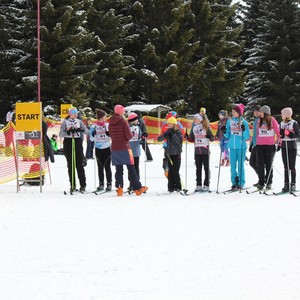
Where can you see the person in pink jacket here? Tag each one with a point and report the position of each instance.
(267, 136)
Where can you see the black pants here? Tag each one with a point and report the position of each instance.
(103, 157)
(67, 146)
(202, 160)
(174, 182)
(132, 176)
(253, 160)
(89, 149)
(265, 156)
(289, 164)
(145, 147)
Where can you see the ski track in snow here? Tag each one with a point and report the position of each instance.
(205, 246)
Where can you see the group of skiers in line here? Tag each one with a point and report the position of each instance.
(118, 143)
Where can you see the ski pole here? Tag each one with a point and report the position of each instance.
(73, 164)
(145, 160)
(95, 172)
(219, 169)
(186, 142)
(268, 177)
(287, 161)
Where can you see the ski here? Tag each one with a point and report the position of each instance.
(252, 191)
(184, 193)
(230, 191)
(71, 192)
(280, 193)
(296, 193)
(101, 192)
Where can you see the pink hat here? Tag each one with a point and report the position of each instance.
(287, 112)
(132, 117)
(119, 109)
(239, 108)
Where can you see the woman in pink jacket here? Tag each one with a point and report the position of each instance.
(267, 135)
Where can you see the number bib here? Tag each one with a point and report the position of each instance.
(100, 136)
(135, 133)
(263, 131)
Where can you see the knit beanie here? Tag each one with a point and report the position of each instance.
(73, 110)
(287, 112)
(239, 108)
(132, 117)
(171, 114)
(172, 120)
(198, 117)
(100, 113)
(119, 109)
(265, 109)
(222, 113)
(203, 110)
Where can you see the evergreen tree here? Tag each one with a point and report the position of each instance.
(18, 51)
(275, 59)
(68, 50)
(109, 23)
(162, 50)
(217, 78)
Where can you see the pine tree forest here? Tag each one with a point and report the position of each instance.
(185, 54)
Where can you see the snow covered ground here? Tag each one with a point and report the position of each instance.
(207, 246)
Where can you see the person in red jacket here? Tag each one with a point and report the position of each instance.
(121, 154)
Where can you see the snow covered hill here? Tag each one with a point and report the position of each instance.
(206, 246)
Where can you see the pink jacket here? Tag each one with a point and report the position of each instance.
(267, 137)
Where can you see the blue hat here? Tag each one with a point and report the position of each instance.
(73, 111)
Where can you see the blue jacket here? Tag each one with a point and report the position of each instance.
(253, 141)
(237, 137)
(135, 140)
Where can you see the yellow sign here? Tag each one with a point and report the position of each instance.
(64, 110)
(29, 116)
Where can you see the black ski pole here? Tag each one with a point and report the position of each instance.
(186, 142)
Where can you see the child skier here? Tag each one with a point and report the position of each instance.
(121, 153)
(289, 132)
(237, 132)
(100, 136)
(267, 132)
(89, 154)
(173, 137)
(71, 130)
(134, 142)
(164, 128)
(223, 141)
(201, 135)
(252, 148)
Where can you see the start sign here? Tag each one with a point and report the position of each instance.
(29, 116)
(64, 110)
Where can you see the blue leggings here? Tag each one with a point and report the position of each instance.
(237, 166)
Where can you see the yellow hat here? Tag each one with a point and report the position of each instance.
(172, 120)
(203, 110)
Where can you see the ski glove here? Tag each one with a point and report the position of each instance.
(243, 127)
(281, 133)
(186, 135)
(107, 133)
(278, 148)
(250, 148)
(93, 132)
(291, 135)
(145, 134)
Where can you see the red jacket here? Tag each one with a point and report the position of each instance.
(119, 133)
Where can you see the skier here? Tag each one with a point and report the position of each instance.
(71, 130)
(201, 135)
(143, 140)
(173, 137)
(223, 141)
(100, 136)
(252, 148)
(89, 154)
(121, 153)
(289, 132)
(267, 132)
(135, 142)
(237, 131)
(164, 128)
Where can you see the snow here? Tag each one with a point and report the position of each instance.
(206, 246)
